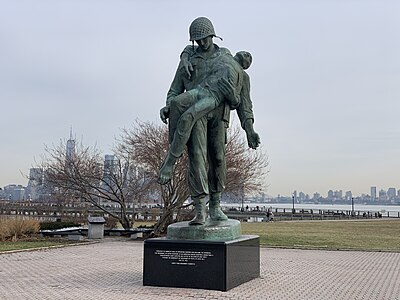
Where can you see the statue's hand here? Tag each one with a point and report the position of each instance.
(253, 139)
(186, 66)
(164, 114)
(229, 91)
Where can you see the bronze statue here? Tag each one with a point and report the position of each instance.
(201, 100)
(209, 83)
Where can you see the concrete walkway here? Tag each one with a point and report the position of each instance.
(112, 269)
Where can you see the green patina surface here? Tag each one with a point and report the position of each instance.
(208, 84)
(210, 231)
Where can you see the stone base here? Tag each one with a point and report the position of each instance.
(210, 231)
(75, 237)
(211, 265)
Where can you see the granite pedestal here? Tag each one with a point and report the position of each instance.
(212, 265)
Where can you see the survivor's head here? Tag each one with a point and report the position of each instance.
(202, 31)
(244, 59)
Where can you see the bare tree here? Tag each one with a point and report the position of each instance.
(84, 175)
(148, 143)
(246, 168)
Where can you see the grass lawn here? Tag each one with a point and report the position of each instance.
(33, 243)
(144, 223)
(369, 235)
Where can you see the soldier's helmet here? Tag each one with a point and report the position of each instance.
(201, 28)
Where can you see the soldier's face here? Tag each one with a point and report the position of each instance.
(205, 43)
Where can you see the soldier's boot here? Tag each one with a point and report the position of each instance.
(166, 169)
(200, 212)
(216, 214)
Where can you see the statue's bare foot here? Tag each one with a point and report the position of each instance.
(165, 174)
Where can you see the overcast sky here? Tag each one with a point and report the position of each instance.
(325, 80)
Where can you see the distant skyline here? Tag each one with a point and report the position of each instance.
(324, 80)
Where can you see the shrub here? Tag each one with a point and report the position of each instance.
(4, 229)
(15, 228)
(111, 222)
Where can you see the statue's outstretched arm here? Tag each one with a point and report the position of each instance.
(245, 113)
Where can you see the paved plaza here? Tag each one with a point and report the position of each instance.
(112, 269)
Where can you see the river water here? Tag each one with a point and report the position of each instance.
(332, 207)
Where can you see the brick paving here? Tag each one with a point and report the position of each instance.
(112, 269)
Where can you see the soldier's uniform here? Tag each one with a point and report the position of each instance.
(190, 106)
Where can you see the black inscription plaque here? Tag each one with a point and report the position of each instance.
(201, 264)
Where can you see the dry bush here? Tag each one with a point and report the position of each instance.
(111, 222)
(4, 229)
(15, 228)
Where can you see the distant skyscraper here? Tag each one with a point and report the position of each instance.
(316, 196)
(391, 193)
(373, 193)
(338, 195)
(14, 192)
(109, 171)
(70, 146)
(348, 195)
(70, 152)
(382, 195)
(35, 183)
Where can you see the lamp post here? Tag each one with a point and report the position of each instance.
(242, 197)
(352, 206)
